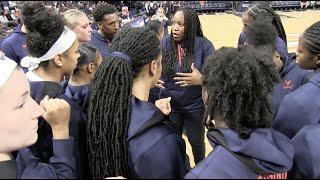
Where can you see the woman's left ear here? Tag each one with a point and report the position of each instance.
(318, 57)
(318, 60)
(153, 68)
(91, 67)
(58, 60)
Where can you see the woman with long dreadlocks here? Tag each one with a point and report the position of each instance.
(184, 52)
(237, 90)
(127, 135)
(264, 9)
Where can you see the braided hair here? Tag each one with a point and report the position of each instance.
(88, 54)
(109, 109)
(312, 38)
(239, 82)
(262, 35)
(266, 10)
(192, 28)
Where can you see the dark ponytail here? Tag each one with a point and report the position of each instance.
(109, 110)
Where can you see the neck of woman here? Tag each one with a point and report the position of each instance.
(140, 89)
(78, 81)
(48, 75)
(219, 122)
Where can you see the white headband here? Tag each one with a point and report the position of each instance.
(64, 42)
(6, 68)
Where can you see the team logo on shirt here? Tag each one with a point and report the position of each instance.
(274, 176)
(24, 46)
(287, 85)
(183, 52)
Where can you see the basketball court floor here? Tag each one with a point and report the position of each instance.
(224, 30)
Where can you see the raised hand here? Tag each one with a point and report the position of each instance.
(160, 84)
(189, 79)
(57, 114)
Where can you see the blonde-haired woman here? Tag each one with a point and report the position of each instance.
(78, 21)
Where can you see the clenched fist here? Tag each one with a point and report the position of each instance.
(57, 114)
(164, 105)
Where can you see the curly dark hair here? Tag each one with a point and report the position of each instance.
(192, 28)
(262, 35)
(239, 82)
(44, 28)
(109, 109)
(312, 38)
(264, 9)
(101, 10)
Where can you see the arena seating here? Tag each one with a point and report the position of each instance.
(209, 6)
(222, 6)
(285, 5)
